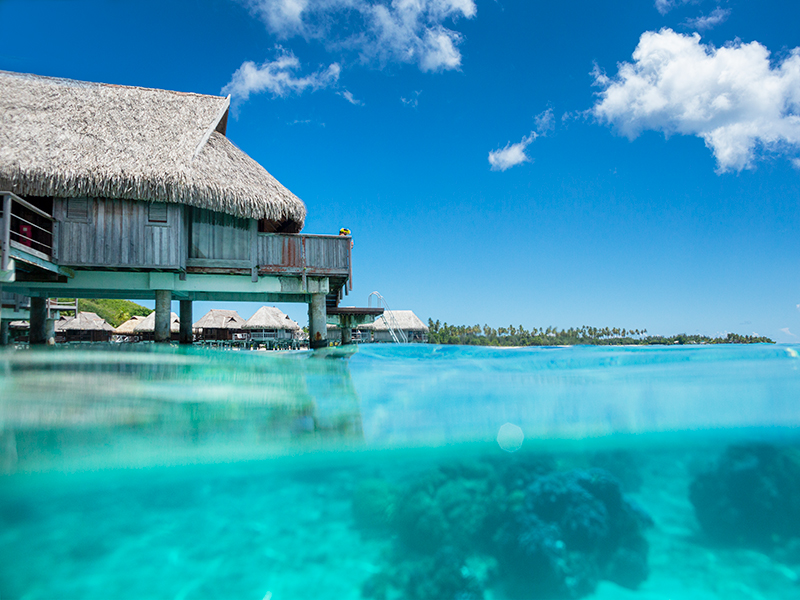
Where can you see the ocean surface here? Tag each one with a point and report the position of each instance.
(388, 472)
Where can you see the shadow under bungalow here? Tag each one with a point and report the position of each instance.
(110, 191)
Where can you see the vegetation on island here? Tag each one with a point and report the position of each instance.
(475, 335)
(115, 312)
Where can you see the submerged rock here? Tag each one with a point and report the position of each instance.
(751, 497)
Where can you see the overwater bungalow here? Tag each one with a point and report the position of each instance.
(220, 325)
(110, 191)
(85, 327)
(145, 329)
(270, 325)
(398, 325)
(126, 332)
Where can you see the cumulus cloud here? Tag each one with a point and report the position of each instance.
(279, 77)
(703, 23)
(732, 97)
(405, 31)
(512, 155)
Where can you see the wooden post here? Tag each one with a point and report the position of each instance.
(186, 322)
(317, 322)
(38, 329)
(4, 332)
(163, 309)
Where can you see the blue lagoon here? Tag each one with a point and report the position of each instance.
(413, 471)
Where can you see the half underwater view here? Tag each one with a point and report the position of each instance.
(400, 471)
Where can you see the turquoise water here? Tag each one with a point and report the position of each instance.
(133, 472)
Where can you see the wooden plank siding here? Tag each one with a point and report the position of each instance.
(217, 236)
(116, 234)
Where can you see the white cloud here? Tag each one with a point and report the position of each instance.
(405, 31)
(796, 165)
(545, 121)
(512, 155)
(664, 6)
(717, 16)
(412, 102)
(279, 77)
(347, 95)
(787, 332)
(730, 97)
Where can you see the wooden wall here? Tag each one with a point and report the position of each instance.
(118, 233)
(217, 236)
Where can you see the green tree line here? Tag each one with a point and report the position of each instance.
(475, 335)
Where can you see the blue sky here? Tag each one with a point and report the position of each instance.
(632, 164)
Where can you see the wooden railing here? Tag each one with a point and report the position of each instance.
(25, 228)
(314, 255)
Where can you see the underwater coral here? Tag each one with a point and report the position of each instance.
(517, 526)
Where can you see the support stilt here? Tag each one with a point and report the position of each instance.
(186, 322)
(38, 328)
(4, 332)
(163, 306)
(347, 330)
(317, 322)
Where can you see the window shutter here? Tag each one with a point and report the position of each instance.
(157, 212)
(78, 209)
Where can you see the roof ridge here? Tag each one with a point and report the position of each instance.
(82, 83)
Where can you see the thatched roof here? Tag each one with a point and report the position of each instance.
(403, 319)
(85, 321)
(129, 326)
(218, 318)
(270, 317)
(65, 138)
(148, 324)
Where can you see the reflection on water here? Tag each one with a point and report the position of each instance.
(167, 473)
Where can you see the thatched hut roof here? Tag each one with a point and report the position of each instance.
(403, 319)
(218, 318)
(129, 326)
(270, 317)
(148, 324)
(65, 138)
(84, 321)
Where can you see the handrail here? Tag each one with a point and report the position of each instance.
(394, 330)
(7, 236)
(28, 205)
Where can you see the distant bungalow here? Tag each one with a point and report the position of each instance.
(109, 191)
(126, 332)
(85, 327)
(219, 325)
(271, 324)
(145, 328)
(404, 324)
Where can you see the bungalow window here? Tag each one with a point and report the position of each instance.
(78, 209)
(157, 212)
